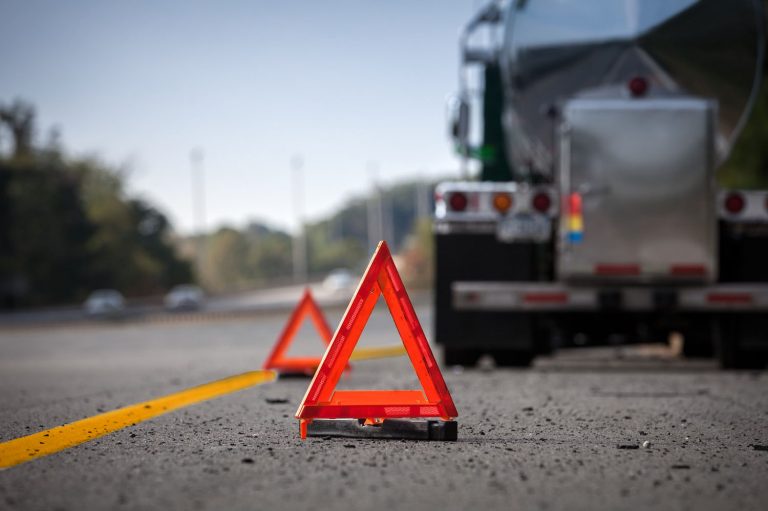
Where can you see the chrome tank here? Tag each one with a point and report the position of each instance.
(554, 50)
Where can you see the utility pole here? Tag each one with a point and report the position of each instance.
(299, 244)
(197, 175)
(387, 224)
(374, 213)
(422, 200)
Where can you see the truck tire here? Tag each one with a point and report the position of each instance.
(699, 338)
(733, 358)
(697, 349)
(513, 358)
(743, 341)
(465, 357)
(466, 335)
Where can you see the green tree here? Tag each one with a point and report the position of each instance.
(270, 255)
(240, 259)
(67, 226)
(418, 255)
(747, 166)
(225, 262)
(44, 231)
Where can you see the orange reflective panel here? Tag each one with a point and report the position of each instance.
(322, 401)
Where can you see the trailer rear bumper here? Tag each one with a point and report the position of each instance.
(558, 297)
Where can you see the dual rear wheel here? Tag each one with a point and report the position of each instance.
(739, 341)
(469, 357)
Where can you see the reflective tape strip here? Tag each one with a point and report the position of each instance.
(545, 297)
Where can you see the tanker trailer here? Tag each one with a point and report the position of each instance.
(596, 218)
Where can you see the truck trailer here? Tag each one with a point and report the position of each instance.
(597, 129)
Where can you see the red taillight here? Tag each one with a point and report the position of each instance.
(638, 86)
(458, 201)
(541, 202)
(734, 203)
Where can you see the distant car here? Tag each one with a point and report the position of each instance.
(339, 280)
(104, 302)
(184, 297)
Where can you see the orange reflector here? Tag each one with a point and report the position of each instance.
(730, 298)
(617, 269)
(502, 202)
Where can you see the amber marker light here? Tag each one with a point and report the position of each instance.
(502, 202)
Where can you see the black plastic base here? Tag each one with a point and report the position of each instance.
(295, 375)
(392, 429)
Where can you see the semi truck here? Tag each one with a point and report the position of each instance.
(596, 130)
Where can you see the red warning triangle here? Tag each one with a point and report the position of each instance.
(277, 359)
(323, 401)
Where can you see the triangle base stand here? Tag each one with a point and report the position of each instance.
(294, 375)
(392, 429)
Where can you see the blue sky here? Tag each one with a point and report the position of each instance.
(343, 83)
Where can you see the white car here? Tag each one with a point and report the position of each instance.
(104, 302)
(184, 297)
(339, 280)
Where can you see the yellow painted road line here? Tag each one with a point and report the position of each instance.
(26, 448)
(378, 352)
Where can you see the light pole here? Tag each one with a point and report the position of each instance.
(299, 244)
(374, 213)
(197, 176)
(422, 200)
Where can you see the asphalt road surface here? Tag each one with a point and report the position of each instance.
(567, 434)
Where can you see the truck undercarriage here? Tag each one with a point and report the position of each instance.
(519, 312)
